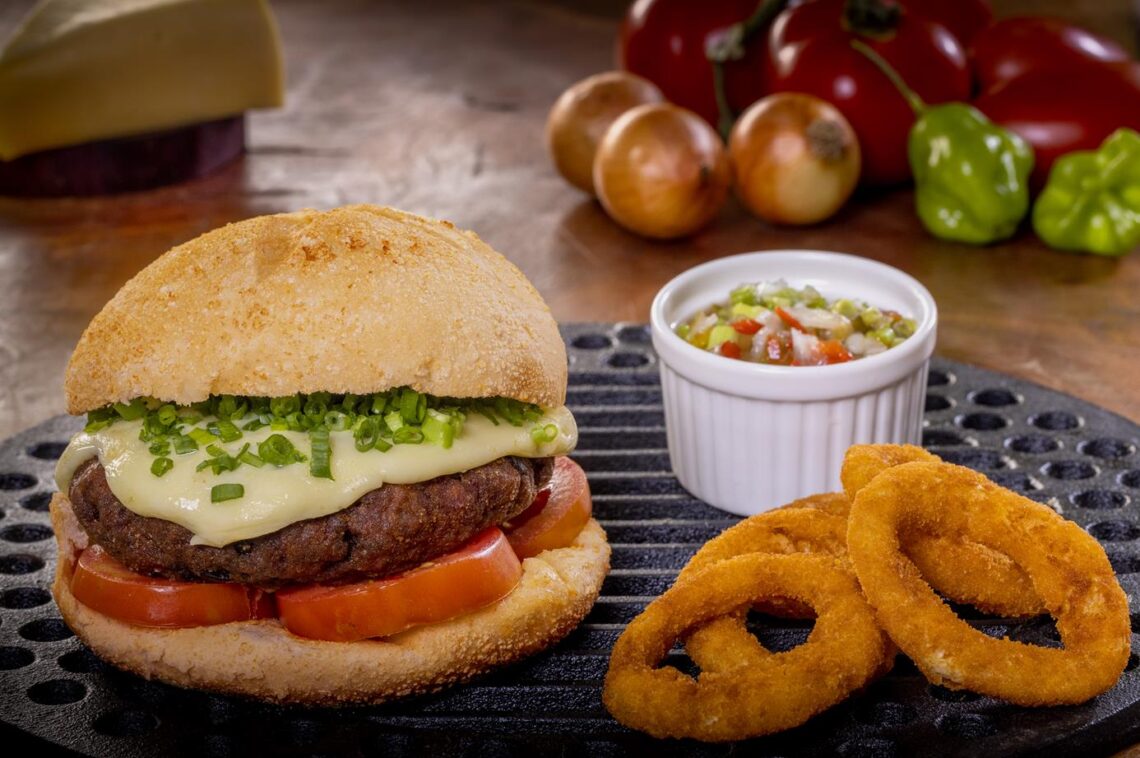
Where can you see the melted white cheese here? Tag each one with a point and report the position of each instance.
(276, 497)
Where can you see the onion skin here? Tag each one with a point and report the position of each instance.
(795, 159)
(583, 113)
(662, 171)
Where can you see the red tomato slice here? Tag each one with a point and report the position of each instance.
(103, 584)
(746, 326)
(484, 570)
(729, 349)
(560, 516)
(789, 319)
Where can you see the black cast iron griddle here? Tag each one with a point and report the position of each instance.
(1081, 460)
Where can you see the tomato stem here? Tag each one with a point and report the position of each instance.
(731, 46)
(889, 71)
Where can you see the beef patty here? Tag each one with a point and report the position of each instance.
(390, 529)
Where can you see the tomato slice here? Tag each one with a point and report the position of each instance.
(789, 319)
(746, 326)
(729, 349)
(103, 584)
(559, 518)
(481, 572)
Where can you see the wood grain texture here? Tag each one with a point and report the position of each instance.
(438, 108)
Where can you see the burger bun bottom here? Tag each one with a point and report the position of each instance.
(261, 659)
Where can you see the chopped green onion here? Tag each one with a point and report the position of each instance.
(544, 433)
(320, 453)
(249, 458)
(167, 415)
(220, 493)
(413, 406)
(337, 421)
(278, 450)
(379, 403)
(254, 425)
(184, 444)
(201, 436)
(161, 447)
(317, 405)
(225, 429)
(366, 433)
(284, 406)
(230, 407)
(437, 429)
(383, 445)
(216, 450)
(394, 421)
(161, 465)
(408, 435)
(132, 411)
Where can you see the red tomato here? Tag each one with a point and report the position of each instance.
(964, 18)
(107, 586)
(1064, 110)
(484, 570)
(833, 351)
(557, 515)
(729, 349)
(1015, 46)
(746, 326)
(810, 51)
(789, 319)
(665, 41)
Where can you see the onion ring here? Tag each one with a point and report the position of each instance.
(1068, 570)
(962, 571)
(726, 643)
(842, 653)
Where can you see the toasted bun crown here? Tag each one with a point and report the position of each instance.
(358, 299)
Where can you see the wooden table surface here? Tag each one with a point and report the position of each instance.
(438, 108)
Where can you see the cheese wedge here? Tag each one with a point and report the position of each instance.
(77, 71)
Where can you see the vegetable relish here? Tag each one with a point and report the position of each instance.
(773, 323)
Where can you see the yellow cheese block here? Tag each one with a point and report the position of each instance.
(77, 71)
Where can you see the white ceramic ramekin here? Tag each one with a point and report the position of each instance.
(749, 437)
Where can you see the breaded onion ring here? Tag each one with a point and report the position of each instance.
(726, 643)
(963, 571)
(841, 655)
(1068, 570)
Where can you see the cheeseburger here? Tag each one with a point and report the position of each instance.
(323, 462)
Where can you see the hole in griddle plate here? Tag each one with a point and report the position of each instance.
(20, 598)
(1055, 421)
(125, 722)
(1130, 479)
(967, 726)
(983, 422)
(936, 403)
(20, 563)
(611, 378)
(38, 502)
(867, 747)
(82, 661)
(47, 451)
(947, 695)
(635, 335)
(591, 342)
(216, 746)
(937, 378)
(1106, 447)
(57, 692)
(15, 657)
(1124, 564)
(886, 713)
(976, 458)
(45, 630)
(142, 692)
(993, 398)
(627, 360)
(1032, 444)
(1018, 481)
(13, 481)
(939, 437)
(1133, 662)
(1069, 470)
(1114, 531)
(24, 533)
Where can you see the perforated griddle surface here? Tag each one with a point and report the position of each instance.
(1078, 458)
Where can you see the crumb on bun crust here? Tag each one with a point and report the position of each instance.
(261, 659)
(357, 299)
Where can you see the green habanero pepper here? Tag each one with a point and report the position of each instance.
(969, 173)
(1091, 202)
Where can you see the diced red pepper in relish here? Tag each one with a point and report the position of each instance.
(729, 349)
(746, 326)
